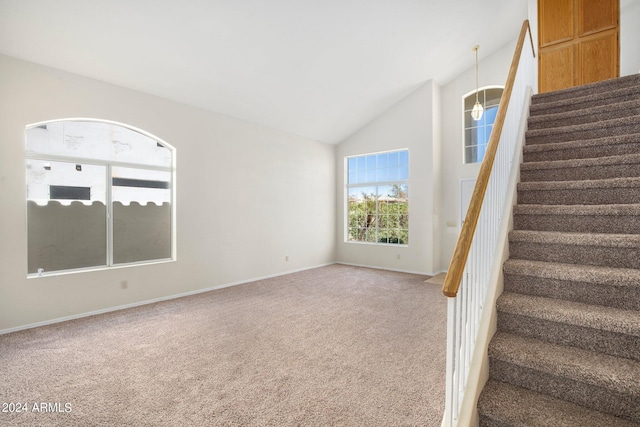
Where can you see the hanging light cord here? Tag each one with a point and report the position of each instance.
(476, 112)
(476, 49)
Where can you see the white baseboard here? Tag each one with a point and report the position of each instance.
(377, 267)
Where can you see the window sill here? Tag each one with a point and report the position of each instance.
(393, 245)
(98, 268)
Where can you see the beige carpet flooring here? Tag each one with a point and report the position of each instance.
(332, 346)
(437, 280)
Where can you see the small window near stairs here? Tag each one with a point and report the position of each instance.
(477, 133)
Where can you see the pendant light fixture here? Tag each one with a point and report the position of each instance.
(476, 112)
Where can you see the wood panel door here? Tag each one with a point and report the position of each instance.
(578, 42)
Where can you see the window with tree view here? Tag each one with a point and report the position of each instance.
(99, 194)
(378, 198)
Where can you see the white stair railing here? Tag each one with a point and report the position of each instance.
(468, 276)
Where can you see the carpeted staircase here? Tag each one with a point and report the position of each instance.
(567, 349)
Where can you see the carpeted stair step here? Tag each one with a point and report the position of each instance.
(615, 219)
(583, 149)
(595, 192)
(624, 125)
(505, 405)
(567, 350)
(598, 328)
(582, 169)
(589, 284)
(608, 250)
(599, 381)
(605, 88)
(586, 115)
(585, 99)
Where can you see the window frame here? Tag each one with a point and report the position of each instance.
(108, 181)
(368, 184)
(467, 112)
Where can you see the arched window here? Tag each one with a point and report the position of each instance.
(99, 194)
(476, 133)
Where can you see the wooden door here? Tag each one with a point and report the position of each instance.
(578, 42)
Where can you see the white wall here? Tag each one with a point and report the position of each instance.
(247, 197)
(532, 10)
(629, 37)
(492, 70)
(412, 123)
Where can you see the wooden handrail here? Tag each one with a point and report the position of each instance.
(459, 258)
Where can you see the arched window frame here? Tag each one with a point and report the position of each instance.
(125, 176)
(481, 129)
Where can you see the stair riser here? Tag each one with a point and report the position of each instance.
(614, 224)
(614, 344)
(543, 108)
(576, 254)
(598, 398)
(533, 137)
(489, 422)
(583, 152)
(581, 173)
(604, 88)
(614, 112)
(627, 298)
(587, 196)
(502, 404)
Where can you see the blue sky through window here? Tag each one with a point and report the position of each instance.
(483, 132)
(382, 167)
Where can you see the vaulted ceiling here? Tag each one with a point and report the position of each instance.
(320, 69)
